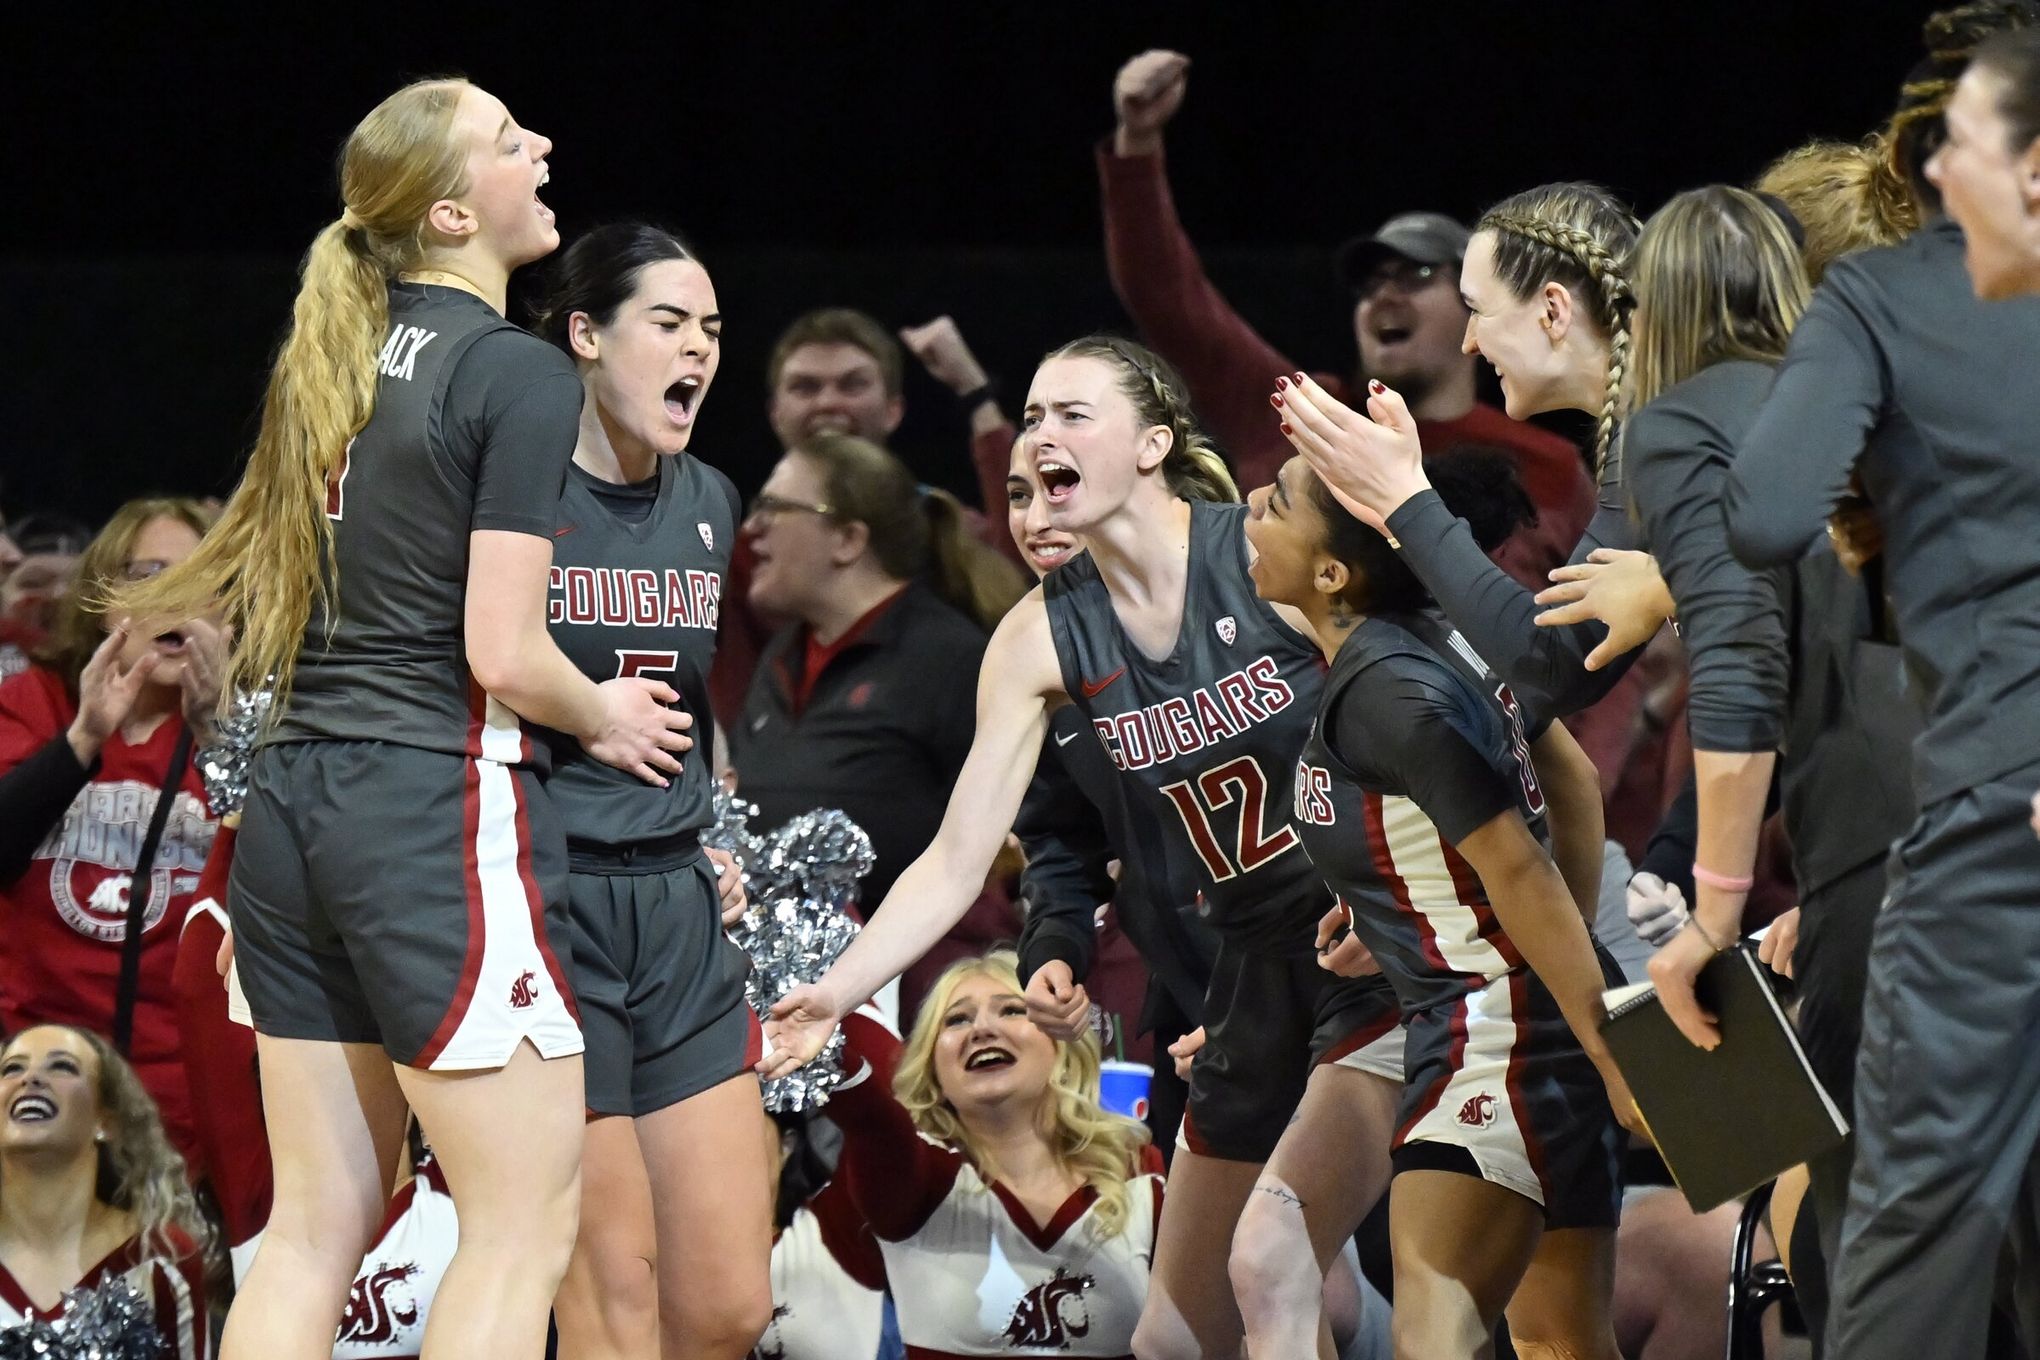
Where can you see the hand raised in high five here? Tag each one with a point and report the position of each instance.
(1372, 462)
(1146, 94)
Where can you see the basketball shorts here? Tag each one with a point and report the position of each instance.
(409, 898)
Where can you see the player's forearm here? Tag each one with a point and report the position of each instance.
(925, 903)
(540, 685)
(1536, 909)
(1733, 788)
(1574, 817)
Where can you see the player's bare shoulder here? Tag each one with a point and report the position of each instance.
(1021, 657)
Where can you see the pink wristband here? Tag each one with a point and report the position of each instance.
(1721, 881)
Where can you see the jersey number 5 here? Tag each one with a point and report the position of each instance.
(651, 665)
(1238, 780)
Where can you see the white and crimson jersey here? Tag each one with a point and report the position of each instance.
(823, 1307)
(972, 1272)
(174, 1291)
(392, 1295)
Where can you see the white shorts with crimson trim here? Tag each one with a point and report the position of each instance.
(1498, 1076)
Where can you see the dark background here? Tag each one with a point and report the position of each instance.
(162, 170)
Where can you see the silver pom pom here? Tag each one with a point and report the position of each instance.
(223, 762)
(110, 1322)
(802, 880)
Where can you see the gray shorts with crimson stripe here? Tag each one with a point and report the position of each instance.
(414, 899)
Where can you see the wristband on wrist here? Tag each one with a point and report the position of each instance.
(988, 390)
(1701, 931)
(1702, 874)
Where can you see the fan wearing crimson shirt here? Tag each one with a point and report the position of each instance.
(87, 737)
(1408, 323)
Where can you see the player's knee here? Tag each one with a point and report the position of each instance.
(1271, 1264)
(1162, 1335)
(729, 1323)
(1436, 1333)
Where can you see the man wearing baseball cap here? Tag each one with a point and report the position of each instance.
(1408, 322)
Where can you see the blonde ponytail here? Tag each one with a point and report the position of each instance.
(270, 555)
(1193, 467)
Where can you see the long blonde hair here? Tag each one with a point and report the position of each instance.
(1578, 235)
(1193, 466)
(80, 624)
(139, 1172)
(1099, 1147)
(270, 555)
(1717, 277)
(914, 531)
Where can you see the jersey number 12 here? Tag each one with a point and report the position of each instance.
(1238, 780)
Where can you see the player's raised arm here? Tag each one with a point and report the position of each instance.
(1018, 678)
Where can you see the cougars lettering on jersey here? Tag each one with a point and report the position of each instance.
(1183, 725)
(634, 597)
(1204, 739)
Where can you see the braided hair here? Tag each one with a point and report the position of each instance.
(1580, 236)
(1193, 466)
(1919, 125)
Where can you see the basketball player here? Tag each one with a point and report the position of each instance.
(1199, 693)
(677, 1261)
(398, 891)
(1418, 799)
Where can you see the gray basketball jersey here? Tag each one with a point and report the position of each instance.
(1205, 740)
(1417, 744)
(474, 423)
(640, 599)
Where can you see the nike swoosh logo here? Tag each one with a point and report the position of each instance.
(562, 533)
(1064, 741)
(1093, 688)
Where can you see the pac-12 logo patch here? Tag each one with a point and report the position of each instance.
(1227, 630)
(707, 536)
(1479, 1112)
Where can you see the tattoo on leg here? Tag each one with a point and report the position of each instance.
(1279, 1193)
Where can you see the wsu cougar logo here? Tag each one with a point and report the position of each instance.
(521, 992)
(1052, 1313)
(372, 1315)
(1478, 1112)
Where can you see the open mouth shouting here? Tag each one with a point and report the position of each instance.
(1059, 481)
(545, 214)
(681, 399)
